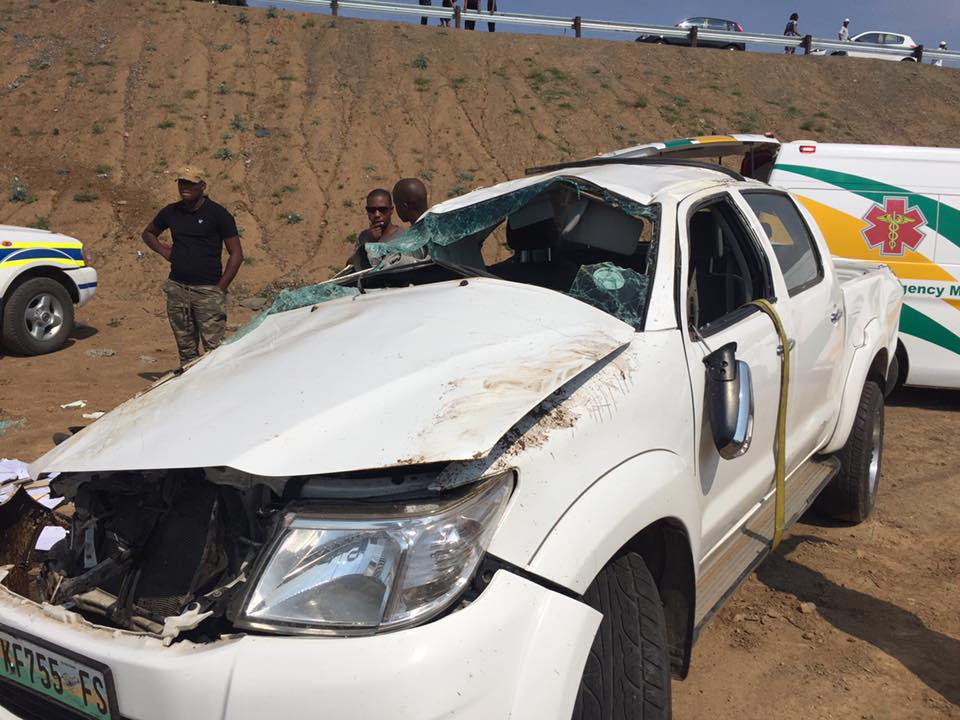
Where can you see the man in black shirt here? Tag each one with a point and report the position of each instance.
(197, 285)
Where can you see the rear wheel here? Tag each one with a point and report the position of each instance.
(37, 317)
(627, 675)
(852, 494)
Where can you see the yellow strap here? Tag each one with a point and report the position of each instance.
(781, 440)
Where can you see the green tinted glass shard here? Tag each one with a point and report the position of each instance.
(618, 291)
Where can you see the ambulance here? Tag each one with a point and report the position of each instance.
(888, 204)
(43, 275)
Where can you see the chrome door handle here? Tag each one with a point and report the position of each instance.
(835, 315)
(791, 343)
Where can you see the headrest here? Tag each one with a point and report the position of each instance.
(606, 228)
(532, 228)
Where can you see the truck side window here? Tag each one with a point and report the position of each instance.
(792, 244)
(726, 269)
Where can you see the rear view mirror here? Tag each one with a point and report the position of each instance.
(729, 401)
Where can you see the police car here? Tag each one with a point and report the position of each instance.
(43, 275)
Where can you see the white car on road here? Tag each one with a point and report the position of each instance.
(453, 489)
(863, 42)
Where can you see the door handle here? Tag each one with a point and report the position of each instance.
(791, 343)
(835, 315)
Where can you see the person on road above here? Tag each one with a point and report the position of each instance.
(196, 288)
(472, 6)
(410, 199)
(942, 46)
(792, 30)
(380, 215)
(844, 32)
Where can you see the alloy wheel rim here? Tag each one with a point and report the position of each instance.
(44, 316)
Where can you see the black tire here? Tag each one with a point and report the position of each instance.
(627, 675)
(852, 494)
(21, 332)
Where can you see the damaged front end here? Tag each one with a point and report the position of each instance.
(202, 553)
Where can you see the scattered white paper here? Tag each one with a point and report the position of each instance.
(12, 470)
(50, 536)
(74, 404)
(94, 415)
(13, 474)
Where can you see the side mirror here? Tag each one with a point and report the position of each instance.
(729, 402)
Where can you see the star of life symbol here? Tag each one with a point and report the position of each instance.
(894, 226)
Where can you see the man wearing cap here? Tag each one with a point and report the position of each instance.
(942, 46)
(196, 288)
(844, 33)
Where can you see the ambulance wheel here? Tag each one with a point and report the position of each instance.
(627, 674)
(37, 317)
(910, 59)
(851, 495)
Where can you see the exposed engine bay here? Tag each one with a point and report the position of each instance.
(166, 552)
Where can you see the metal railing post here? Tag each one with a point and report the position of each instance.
(456, 16)
(578, 26)
(693, 36)
(807, 44)
(918, 53)
(334, 7)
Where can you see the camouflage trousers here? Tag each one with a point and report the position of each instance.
(196, 312)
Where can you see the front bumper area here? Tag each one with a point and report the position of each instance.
(517, 652)
(85, 278)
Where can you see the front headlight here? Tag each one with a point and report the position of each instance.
(373, 568)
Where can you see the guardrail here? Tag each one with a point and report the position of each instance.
(578, 25)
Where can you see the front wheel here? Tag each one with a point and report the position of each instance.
(627, 675)
(37, 317)
(852, 494)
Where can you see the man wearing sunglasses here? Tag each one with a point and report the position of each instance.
(380, 215)
(196, 288)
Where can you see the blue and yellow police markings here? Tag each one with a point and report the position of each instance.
(14, 254)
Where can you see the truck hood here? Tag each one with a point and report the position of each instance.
(388, 378)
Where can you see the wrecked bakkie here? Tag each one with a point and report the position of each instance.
(455, 486)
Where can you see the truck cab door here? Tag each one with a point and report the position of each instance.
(722, 269)
(812, 312)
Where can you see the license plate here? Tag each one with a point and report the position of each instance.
(71, 680)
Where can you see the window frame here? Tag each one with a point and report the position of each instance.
(818, 258)
(744, 311)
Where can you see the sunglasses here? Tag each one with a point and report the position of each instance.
(384, 209)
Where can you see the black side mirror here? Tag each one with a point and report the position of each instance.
(729, 402)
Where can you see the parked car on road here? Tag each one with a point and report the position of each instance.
(703, 24)
(516, 490)
(42, 276)
(864, 40)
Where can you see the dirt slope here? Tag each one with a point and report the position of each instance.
(308, 114)
(100, 100)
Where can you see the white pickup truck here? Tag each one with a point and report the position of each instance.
(450, 488)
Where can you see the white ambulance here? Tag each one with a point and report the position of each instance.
(891, 204)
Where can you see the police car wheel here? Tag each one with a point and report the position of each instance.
(851, 495)
(37, 317)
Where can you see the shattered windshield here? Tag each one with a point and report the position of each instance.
(562, 233)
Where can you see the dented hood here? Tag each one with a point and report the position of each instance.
(397, 377)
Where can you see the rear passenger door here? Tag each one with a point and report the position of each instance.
(812, 314)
